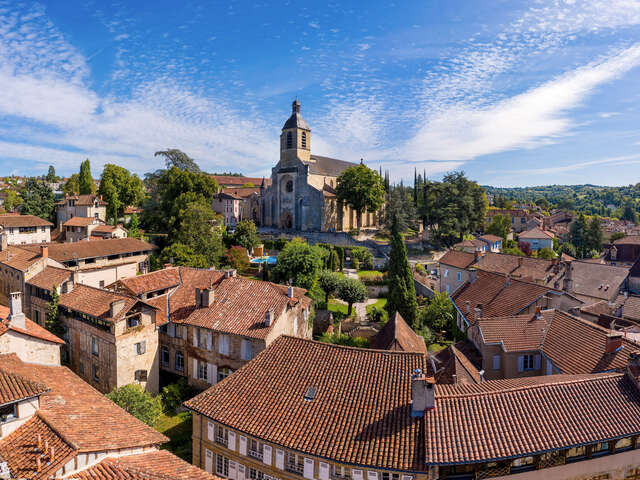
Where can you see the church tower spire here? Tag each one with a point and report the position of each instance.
(295, 139)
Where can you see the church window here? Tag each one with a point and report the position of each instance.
(304, 139)
(289, 186)
(289, 140)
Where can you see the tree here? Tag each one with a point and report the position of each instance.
(616, 236)
(119, 188)
(12, 201)
(51, 174)
(344, 339)
(238, 258)
(577, 235)
(134, 226)
(525, 247)
(38, 199)
(629, 212)
(138, 402)
(361, 188)
(299, 263)
(184, 255)
(85, 180)
(439, 314)
(200, 229)
(72, 185)
(593, 235)
(52, 320)
(546, 253)
(513, 250)
(568, 249)
(500, 225)
(246, 235)
(402, 291)
(351, 290)
(177, 158)
(400, 207)
(329, 282)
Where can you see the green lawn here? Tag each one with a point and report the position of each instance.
(369, 274)
(436, 347)
(380, 303)
(335, 306)
(178, 429)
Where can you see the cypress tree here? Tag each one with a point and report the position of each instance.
(402, 291)
(85, 180)
(52, 320)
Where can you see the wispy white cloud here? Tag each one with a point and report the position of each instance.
(614, 161)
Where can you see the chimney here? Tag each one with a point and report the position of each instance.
(477, 254)
(16, 317)
(230, 273)
(38, 464)
(290, 291)
(207, 296)
(473, 275)
(3, 241)
(422, 393)
(167, 265)
(614, 253)
(268, 318)
(568, 279)
(478, 311)
(538, 312)
(633, 367)
(44, 251)
(467, 306)
(198, 298)
(554, 261)
(614, 342)
(116, 307)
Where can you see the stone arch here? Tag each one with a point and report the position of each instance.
(286, 220)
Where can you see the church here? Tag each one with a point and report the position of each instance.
(302, 193)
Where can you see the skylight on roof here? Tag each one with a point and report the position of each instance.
(310, 394)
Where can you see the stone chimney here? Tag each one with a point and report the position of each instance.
(116, 307)
(229, 273)
(538, 312)
(16, 317)
(554, 261)
(520, 260)
(477, 255)
(3, 240)
(508, 279)
(268, 318)
(290, 291)
(614, 253)
(614, 342)
(467, 307)
(204, 297)
(568, 279)
(422, 393)
(478, 311)
(44, 251)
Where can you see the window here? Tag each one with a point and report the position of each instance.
(223, 373)
(180, 361)
(94, 372)
(304, 139)
(600, 448)
(255, 449)
(459, 276)
(222, 466)
(256, 474)
(8, 413)
(140, 348)
(294, 463)
(140, 375)
(94, 346)
(164, 356)
(223, 345)
(577, 452)
(340, 472)
(446, 273)
(222, 435)
(623, 444)
(289, 140)
(496, 362)
(525, 362)
(101, 283)
(81, 368)
(390, 476)
(246, 350)
(202, 371)
(289, 186)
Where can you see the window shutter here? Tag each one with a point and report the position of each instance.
(372, 475)
(208, 460)
(308, 468)
(143, 347)
(195, 368)
(520, 363)
(496, 362)
(210, 430)
(172, 330)
(231, 444)
(279, 459)
(267, 454)
(209, 340)
(212, 373)
(241, 472)
(195, 336)
(324, 471)
(232, 470)
(184, 332)
(243, 445)
(537, 362)
(356, 474)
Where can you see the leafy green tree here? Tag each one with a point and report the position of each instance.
(201, 230)
(577, 235)
(133, 228)
(246, 235)
(364, 257)
(629, 212)
(439, 314)
(177, 158)
(85, 180)
(513, 250)
(72, 185)
(184, 255)
(593, 235)
(351, 290)
(402, 290)
(238, 258)
(543, 203)
(12, 201)
(52, 320)
(51, 174)
(361, 188)
(119, 188)
(568, 249)
(299, 263)
(616, 236)
(38, 199)
(329, 282)
(500, 226)
(546, 253)
(138, 402)
(400, 207)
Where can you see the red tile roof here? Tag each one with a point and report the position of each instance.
(457, 259)
(151, 282)
(85, 418)
(490, 238)
(228, 180)
(32, 329)
(80, 222)
(461, 359)
(534, 269)
(536, 233)
(83, 200)
(14, 388)
(20, 259)
(23, 221)
(65, 252)
(158, 464)
(49, 277)
(628, 240)
(97, 302)
(360, 413)
(517, 333)
(398, 335)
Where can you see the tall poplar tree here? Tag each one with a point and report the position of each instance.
(86, 185)
(402, 291)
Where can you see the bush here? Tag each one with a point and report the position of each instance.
(268, 244)
(372, 277)
(420, 269)
(353, 232)
(174, 394)
(238, 258)
(364, 256)
(344, 339)
(138, 402)
(280, 243)
(379, 315)
(355, 263)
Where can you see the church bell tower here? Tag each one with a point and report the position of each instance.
(295, 140)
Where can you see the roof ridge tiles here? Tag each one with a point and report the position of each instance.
(58, 432)
(347, 347)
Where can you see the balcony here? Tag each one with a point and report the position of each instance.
(220, 439)
(291, 467)
(339, 476)
(255, 454)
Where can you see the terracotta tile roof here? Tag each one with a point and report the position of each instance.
(360, 413)
(130, 210)
(628, 240)
(517, 333)
(398, 335)
(32, 329)
(19, 258)
(228, 195)
(158, 464)
(83, 200)
(498, 295)
(65, 252)
(457, 259)
(49, 277)
(85, 418)
(23, 221)
(631, 307)
(80, 222)
(96, 302)
(490, 238)
(535, 269)
(17, 449)
(151, 282)
(106, 228)
(597, 280)
(224, 180)
(548, 413)
(461, 359)
(14, 387)
(243, 192)
(536, 233)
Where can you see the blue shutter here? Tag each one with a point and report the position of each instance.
(520, 363)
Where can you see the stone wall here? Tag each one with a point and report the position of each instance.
(29, 349)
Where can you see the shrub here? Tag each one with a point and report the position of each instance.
(174, 394)
(280, 243)
(268, 244)
(355, 263)
(238, 258)
(138, 402)
(420, 269)
(379, 315)
(344, 339)
(364, 256)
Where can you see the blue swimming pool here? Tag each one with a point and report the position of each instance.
(268, 260)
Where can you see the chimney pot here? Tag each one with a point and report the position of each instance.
(613, 342)
(16, 316)
(230, 273)
(478, 311)
(422, 393)
(467, 305)
(268, 318)
(290, 291)
(44, 251)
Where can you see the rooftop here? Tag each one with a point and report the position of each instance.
(32, 329)
(398, 335)
(84, 200)
(14, 388)
(11, 220)
(458, 259)
(81, 222)
(97, 302)
(66, 252)
(536, 233)
(49, 277)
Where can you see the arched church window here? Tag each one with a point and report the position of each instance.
(304, 139)
(289, 140)
(289, 186)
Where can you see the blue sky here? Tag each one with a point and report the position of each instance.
(513, 93)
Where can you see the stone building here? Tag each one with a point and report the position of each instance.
(111, 338)
(88, 206)
(302, 193)
(24, 229)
